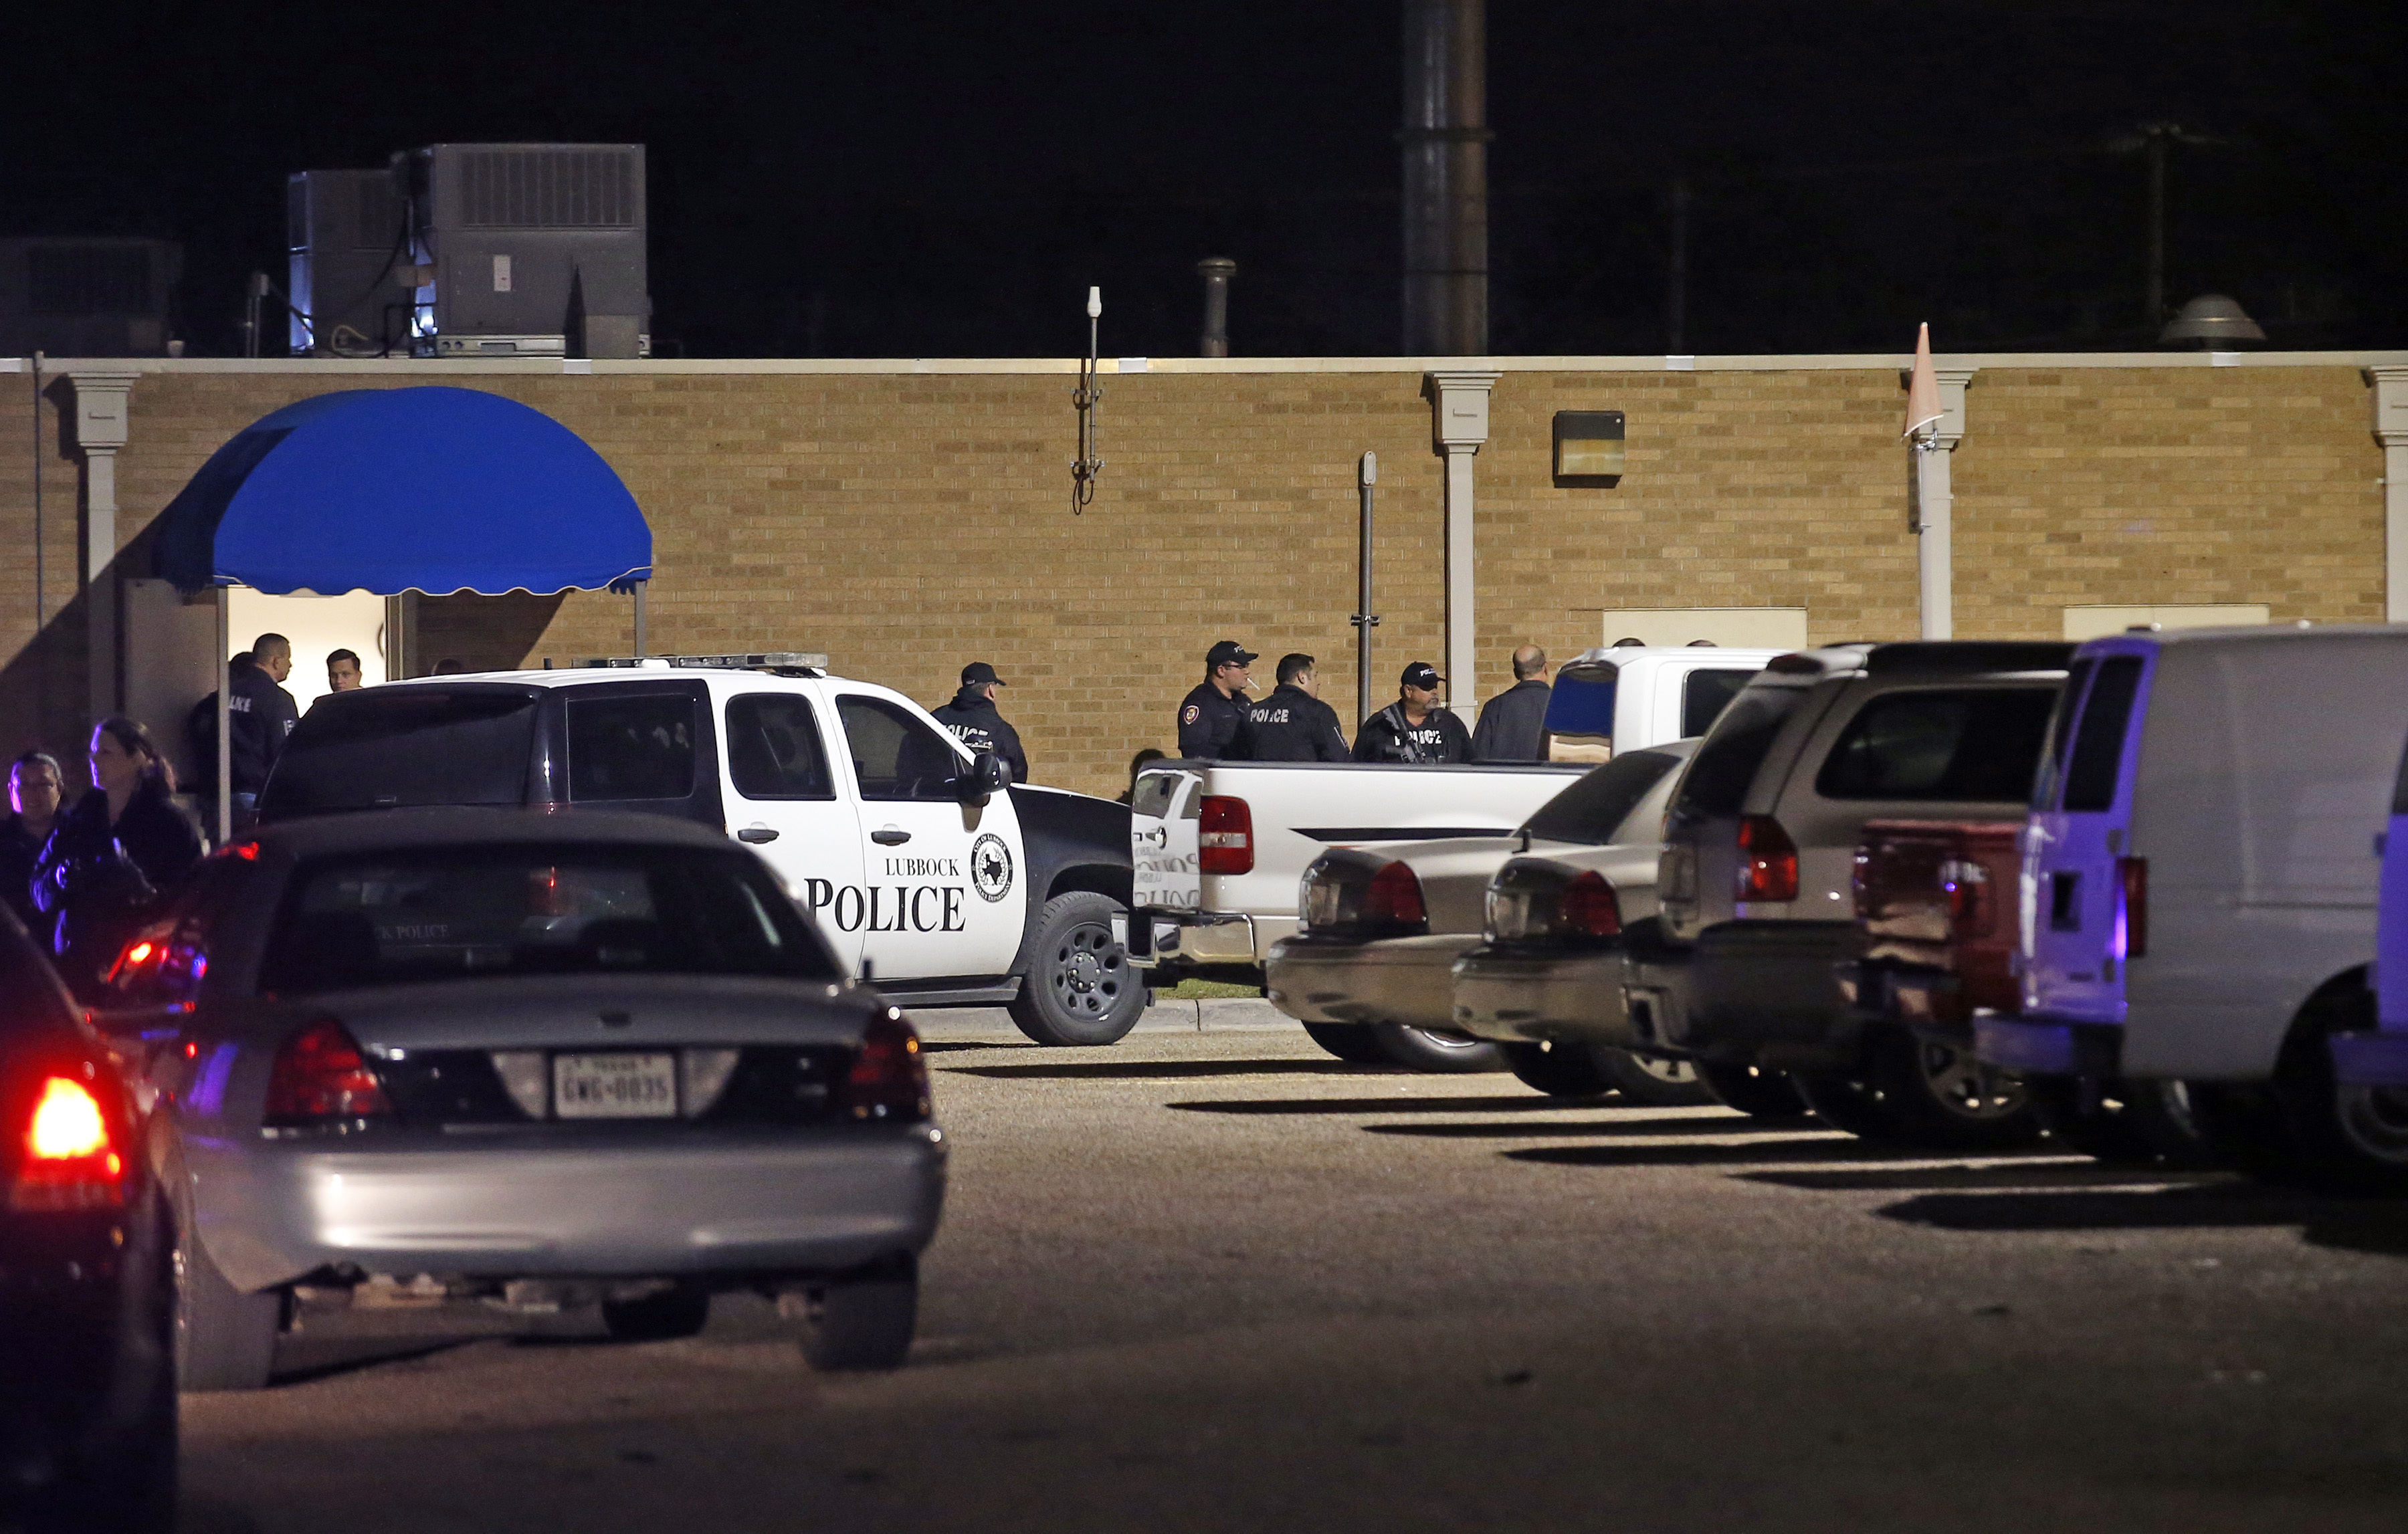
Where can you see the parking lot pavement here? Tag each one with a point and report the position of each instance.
(1216, 1281)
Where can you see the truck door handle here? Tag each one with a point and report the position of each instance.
(893, 836)
(756, 834)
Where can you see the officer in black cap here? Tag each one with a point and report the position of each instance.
(973, 716)
(1293, 725)
(1414, 729)
(1213, 715)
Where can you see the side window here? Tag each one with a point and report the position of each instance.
(773, 748)
(631, 746)
(2060, 735)
(1970, 745)
(895, 756)
(2098, 756)
(1704, 695)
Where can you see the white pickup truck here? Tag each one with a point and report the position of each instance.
(1218, 848)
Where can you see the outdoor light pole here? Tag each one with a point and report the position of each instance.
(1084, 468)
(1365, 620)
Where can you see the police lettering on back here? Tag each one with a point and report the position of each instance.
(976, 722)
(1293, 725)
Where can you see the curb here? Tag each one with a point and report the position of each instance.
(1230, 1014)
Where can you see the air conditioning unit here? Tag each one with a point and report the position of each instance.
(528, 250)
(348, 235)
(96, 298)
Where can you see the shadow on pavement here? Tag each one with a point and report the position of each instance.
(1403, 1104)
(353, 1355)
(1142, 1070)
(203, 1515)
(2358, 1225)
(1735, 1124)
(2041, 1168)
(1827, 1147)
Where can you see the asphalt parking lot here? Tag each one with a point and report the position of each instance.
(1213, 1279)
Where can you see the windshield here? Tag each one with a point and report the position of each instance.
(476, 913)
(401, 746)
(1588, 811)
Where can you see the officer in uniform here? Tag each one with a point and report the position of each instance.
(1293, 725)
(973, 717)
(1213, 715)
(1414, 729)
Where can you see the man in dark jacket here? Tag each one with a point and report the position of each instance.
(262, 713)
(1293, 725)
(1513, 724)
(973, 717)
(35, 784)
(1213, 714)
(1414, 729)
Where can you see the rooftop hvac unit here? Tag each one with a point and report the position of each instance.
(95, 297)
(348, 234)
(535, 250)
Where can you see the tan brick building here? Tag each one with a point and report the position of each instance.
(908, 516)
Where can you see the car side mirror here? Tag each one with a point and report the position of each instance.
(985, 777)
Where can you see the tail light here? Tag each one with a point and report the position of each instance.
(1972, 909)
(1394, 898)
(1587, 908)
(1767, 860)
(71, 1160)
(2132, 918)
(1226, 835)
(889, 1077)
(137, 956)
(321, 1081)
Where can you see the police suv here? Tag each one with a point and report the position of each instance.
(925, 870)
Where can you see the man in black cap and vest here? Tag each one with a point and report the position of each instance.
(1212, 717)
(1414, 729)
(1293, 725)
(973, 717)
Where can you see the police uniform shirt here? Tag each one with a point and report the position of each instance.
(1292, 726)
(1389, 736)
(1209, 725)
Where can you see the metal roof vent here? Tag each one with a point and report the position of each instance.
(2212, 320)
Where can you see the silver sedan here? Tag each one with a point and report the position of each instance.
(524, 1060)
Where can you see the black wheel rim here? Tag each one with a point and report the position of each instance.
(1087, 973)
(1966, 1087)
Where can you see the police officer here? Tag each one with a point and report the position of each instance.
(973, 717)
(1211, 716)
(1414, 729)
(1293, 725)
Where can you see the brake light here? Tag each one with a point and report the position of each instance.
(1226, 835)
(1767, 860)
(2132, 918)
(1394, 898)
(1587, 908)
(1966, 883)
(70, 1160)
(320, 1080)
(889, 1079)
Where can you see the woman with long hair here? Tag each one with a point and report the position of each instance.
(112, 856)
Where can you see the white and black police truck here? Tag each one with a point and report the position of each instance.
(927, 872)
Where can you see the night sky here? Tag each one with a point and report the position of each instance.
(909, 179)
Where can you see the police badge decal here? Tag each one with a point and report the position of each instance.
(1191, 715)
(991, 867)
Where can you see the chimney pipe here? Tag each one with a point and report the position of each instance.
(1217, 272)
(1445, 138)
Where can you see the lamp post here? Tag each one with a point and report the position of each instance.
(1364, 619)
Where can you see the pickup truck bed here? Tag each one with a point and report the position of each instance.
(1940, 920)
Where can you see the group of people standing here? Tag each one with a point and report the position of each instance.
(1217, 721)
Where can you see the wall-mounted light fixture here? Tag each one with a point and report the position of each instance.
(1588, 449)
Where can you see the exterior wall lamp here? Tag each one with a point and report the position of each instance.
(1588, 449)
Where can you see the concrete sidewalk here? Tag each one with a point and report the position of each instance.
(963, 1024)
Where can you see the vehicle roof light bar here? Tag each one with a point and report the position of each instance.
(767, 660)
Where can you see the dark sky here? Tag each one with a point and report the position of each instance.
(916, 179)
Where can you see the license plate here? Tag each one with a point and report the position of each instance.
(614, 1086)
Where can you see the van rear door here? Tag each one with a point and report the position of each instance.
(2078, 931)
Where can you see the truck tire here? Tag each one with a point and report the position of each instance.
(1926, 1095)
(1349, 1042)
(1078, 987)
(225, 1340)
(2118, 1122)
(862, 1321)
(1752, 1090)
(1440, 1051)
(2347, 1139)
(1653, 1080)
(1558, 1070)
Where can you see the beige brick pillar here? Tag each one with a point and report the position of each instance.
(2392, 430)
(1458, 429)
(100, 422)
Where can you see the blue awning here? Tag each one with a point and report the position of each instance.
(434, 490)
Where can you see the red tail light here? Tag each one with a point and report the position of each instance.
(71, 1159)
(320, 1080)
(889, 1079)
(1395, 898)
(1226, 835)
(1587, 906)
(2132, 874)
(1972, 909)
(1767, 860)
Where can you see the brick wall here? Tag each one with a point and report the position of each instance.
(906, 522)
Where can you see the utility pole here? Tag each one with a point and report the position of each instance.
(1445, 138)
(1217, 272)
(1365, 620)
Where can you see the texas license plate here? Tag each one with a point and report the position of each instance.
(614, 1086)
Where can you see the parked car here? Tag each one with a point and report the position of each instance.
(2199, 890)
(1371, 975)
(87, 1274)
(527, 1060)
(921, 864)
(1756, 882)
